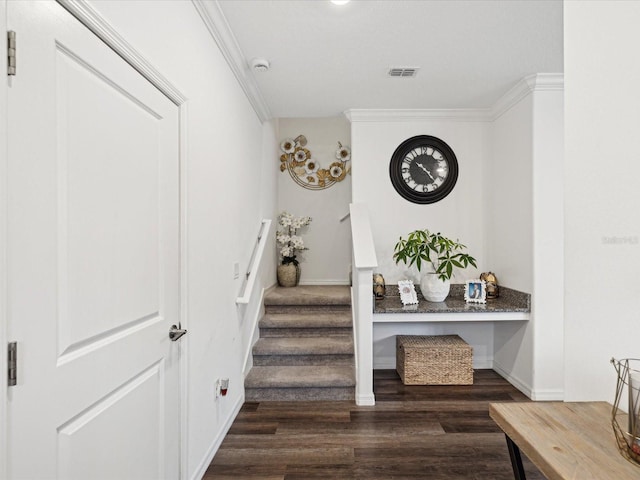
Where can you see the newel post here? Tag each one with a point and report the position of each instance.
(364, 261)
(363, 289)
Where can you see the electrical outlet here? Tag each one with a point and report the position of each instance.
(224, 386)
(221, 387)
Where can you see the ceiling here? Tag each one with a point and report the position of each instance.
(325, 59)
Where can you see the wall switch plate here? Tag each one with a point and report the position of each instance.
(236, 270)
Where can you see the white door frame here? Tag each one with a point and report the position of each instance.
(100, 27)
(3, 243)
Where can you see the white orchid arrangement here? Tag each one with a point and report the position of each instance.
(288, 240)
(306, 171)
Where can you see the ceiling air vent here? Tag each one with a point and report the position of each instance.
(403, 71)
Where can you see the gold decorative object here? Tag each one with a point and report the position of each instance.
(491, 285)
(379, 288)
(627, 436)
(288, 275)
(306, 171)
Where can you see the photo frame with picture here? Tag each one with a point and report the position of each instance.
(475, 291)
(407, 291)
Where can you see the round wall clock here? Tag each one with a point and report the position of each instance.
(423, 169)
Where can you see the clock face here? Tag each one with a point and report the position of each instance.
(423, 169)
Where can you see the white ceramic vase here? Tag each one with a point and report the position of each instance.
(433, 289)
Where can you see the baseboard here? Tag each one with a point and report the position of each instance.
(550, 395)
(311, 281)
(211, 452)
(516, 382)
(384, 363)
(365, 400)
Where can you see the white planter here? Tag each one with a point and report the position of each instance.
(433, 289)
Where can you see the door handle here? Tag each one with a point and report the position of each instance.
(176, 332)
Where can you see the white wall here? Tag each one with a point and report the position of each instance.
(509, 193)
(548, 245)
(509, 234)
(375, 136)
(329, 240)
(602, 167)
(525, 230)
(459, 215)
(249, 315)
(228, 193)
(268, 197)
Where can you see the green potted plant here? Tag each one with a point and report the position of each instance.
(441, 254)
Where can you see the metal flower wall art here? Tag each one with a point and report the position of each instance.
(306, 171)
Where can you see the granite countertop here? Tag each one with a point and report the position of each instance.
(509, 301)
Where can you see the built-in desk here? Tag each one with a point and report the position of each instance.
(474, 322)
(510, 305)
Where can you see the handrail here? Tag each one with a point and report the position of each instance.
(364, 261)
(254, 262)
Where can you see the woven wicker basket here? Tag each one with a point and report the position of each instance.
(434, 360)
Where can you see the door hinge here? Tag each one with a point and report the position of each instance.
(11, 52)
(12, 364)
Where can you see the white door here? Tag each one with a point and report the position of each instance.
(93, 258)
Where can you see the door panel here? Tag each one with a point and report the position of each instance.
(109, 273)
(93, 249)
(91, 440)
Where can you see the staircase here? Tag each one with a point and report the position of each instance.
(305, 350)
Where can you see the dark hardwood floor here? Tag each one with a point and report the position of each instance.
(426, 432)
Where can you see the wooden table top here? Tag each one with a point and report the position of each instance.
(566, 440)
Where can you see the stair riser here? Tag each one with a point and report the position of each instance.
(298, 394)
(336, 345)
(304, 332)
(307, 309)
(281, 320)
(298, 353)
(302, 360)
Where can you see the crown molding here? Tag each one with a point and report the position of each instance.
(529, 84)
(416, 115)
(218, 27)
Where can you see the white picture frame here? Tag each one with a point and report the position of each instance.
(475, 291)
(407, 290)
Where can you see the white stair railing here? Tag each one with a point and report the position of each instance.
(254, 263)
(364, 261)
